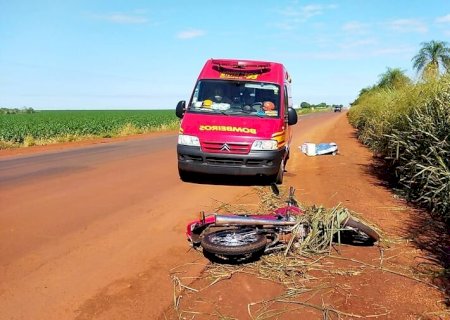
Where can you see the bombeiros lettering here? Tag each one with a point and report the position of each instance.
(238, 75)
(227, 129)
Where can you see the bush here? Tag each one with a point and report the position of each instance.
(410, 128)
(422, 153)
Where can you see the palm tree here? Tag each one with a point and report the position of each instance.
(393, 78)
(432, 58)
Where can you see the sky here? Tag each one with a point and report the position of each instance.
(108, 54)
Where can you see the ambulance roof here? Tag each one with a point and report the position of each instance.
(248, 70)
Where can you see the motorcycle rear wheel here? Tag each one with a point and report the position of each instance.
(234, 242)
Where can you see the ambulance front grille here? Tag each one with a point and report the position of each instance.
(226, 147)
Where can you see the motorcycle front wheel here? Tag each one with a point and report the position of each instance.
(362, 233)
(234, 242)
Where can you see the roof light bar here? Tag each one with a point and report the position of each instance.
(241, 66)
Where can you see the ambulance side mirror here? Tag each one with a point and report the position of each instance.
(292, 116)
(181, 108)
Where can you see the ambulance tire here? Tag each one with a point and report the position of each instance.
(280, 174)
(185, 175)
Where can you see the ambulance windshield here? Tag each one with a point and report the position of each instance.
(244, 98)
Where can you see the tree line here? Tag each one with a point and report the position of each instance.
(16, 110)
(432, 61)
(323, 105)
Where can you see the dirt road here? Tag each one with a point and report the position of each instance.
(95, 232)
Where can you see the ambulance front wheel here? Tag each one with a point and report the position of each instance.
(185, 175)
(280, 174)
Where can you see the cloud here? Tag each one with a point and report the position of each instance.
(349, 53)
(407, 25)
(190, 34)
(390, 51)
(306, 12)
(443, 19)
(355, 27)
(293, 16)
(359, 43)
(285, 25)
(122, 18)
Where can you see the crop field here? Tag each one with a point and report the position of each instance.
(44, 127)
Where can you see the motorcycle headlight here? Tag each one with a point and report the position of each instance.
(265, 145)
(187, 140)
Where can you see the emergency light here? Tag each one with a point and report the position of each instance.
(240, 66)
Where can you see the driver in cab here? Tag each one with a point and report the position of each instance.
(219, 96)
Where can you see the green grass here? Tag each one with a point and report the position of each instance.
(44, 127)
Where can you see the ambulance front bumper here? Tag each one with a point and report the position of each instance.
(193, 159)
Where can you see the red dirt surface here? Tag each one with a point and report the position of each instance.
(108, 243)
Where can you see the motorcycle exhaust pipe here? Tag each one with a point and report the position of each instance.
(222, 220)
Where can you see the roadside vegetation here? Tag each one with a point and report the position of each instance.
(306, 107)
(16, 110)
(19, 128)
(407, 124)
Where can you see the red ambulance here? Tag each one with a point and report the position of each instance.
(237, 121)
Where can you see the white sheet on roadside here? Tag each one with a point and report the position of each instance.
(315, 149)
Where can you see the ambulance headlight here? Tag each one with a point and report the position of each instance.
(265, 145)
(187, 140)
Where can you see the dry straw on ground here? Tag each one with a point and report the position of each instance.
(307, 269)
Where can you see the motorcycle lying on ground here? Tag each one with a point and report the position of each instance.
(241, 237)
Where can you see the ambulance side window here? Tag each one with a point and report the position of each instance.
(286, 103)
(286, 98)
(196, 93)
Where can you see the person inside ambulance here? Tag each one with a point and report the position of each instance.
(251, 104)
(268, 105)
(219, 95)
(249, 98)
(217, 99)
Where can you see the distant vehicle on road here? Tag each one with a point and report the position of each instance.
(337, 108)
